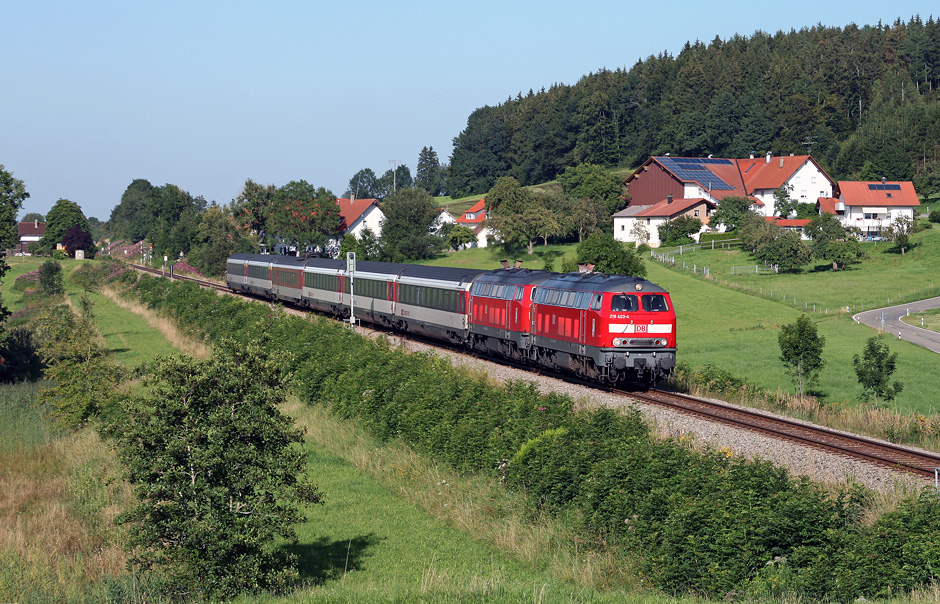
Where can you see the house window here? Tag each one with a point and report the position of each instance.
(696, 212)
(647, 221)
(623, 227)
(803, 194)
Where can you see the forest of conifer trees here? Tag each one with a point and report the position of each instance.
(864, 101)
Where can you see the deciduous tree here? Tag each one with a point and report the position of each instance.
(900, 231)
(832, 242)
(63, 215)
(76, 238)
(305, 215)
(215, 239)
(363, 185)
(216, 470)
(517, 216)
(597, 183)
(679, 230)
(731, 212)
(784, 204)
(406, 230)
(801, 349)
(786, 251)
(253, 206)
(875, 368)
(12, 196)
(610, 256)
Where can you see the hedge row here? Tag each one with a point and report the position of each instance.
(707, 523)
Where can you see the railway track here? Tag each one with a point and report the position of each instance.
(896, 457)
(857, 447)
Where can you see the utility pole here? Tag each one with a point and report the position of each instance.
(394, 163)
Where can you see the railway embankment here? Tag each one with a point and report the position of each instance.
(686, 510)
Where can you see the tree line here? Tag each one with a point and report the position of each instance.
(862, 100)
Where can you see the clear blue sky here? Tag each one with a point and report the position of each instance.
(205, 95)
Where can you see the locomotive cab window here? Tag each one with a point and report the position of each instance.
(597, 301)
(655, 303)
(624, 303)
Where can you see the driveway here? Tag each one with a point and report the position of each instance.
(894, 326)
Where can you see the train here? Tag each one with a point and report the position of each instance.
(606, 328)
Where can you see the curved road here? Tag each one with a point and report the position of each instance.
(894, 326)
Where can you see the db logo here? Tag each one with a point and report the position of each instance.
(641, 328)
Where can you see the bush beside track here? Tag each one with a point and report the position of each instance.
(704, 523)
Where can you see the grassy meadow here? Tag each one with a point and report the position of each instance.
(732, 321)
(133, 342)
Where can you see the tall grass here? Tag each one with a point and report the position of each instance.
(58, 500)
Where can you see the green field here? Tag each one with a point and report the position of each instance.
(732, 321)
(130, 340)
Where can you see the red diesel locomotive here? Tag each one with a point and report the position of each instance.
(608, 328)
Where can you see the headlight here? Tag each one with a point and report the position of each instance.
(620, 342)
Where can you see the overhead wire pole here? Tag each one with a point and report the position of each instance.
(394, 163)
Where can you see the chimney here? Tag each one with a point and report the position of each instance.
(752, 154)
(36, 224)
(669, 198)
(768, 158)
(781, 163)
(883, 180)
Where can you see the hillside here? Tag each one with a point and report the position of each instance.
(863, 101)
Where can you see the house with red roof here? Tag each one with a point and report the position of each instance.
(358, 214)
(475, 219)
(796, 225)
(29, 232)
(715, 178)
(640, 224)
(872, 207)
(805, 179)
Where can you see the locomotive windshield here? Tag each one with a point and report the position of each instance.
(624, 303)
(655, 303)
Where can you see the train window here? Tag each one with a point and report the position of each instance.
(624, 303)
(655, 303)
(596, 302)
(519, 292)
(569, 299)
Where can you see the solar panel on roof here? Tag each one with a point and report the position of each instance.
(687, 168)
(885, 187)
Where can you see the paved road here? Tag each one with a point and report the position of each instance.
(894, 326)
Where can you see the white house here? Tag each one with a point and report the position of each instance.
(640, 224)
(475, 219)
(806, 180)
(444, 217)
(871, 207)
